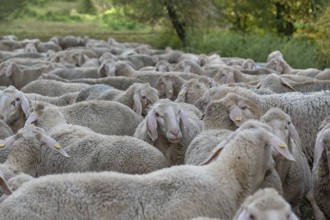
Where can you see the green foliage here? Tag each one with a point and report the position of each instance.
(323, 36)
(9, 8)
(87, 7)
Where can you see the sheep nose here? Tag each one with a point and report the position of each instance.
(175, 132)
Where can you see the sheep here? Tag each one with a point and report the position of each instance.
(163, 66)
(170, 127)
(296, 177)
(273, 54)
(227, 75)
(325, 74)
(14, 106)
(181, 192)
(52, 87)
(92, 92)
(62, 100)
(169, 85)
(280, 84)
(265, 204)
(280, 65)
(189, 66)
(76, 73)
(321, 168)
(230, 112)
(10, 45)
(139, 97)
(91, 151)
(191, 90)
(298, 106)
(5, 131)
(25, 151)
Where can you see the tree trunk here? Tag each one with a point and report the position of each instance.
(283, 26)
(177, 24)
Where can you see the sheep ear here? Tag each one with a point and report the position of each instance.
(4, 186)
(294, 134)
(184, 120)
(215, 153)
(53, 144)
(235, 114)
(280, 146)
(9, 69)
(169, 89)
(8, 142)
(229, 77)
(244, 215)
(182, 95)
(286, 84)
(34, 116)
(25, 105)
(101, 70)
(152, 125)
(137, 103)
(187, 69)
(318, 149)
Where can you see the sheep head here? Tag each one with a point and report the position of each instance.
(166, 118)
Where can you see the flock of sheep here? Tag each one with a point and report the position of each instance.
(95, 129)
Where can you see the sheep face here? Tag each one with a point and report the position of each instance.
(268, 206)
(166, 118)
(164, 87)
(13, 104)
(275, 64)
(147, 96)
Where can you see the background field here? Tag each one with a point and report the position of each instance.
(209, 28)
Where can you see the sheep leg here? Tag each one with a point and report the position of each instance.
(318, 214)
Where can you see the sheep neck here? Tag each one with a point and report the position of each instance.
(169, 150)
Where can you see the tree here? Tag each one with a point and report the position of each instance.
(9, 7)
(182, 15)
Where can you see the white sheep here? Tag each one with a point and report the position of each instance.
(139, 97)
(90, 151)
(14, 106)
(180, 192)
(170, 127)
(52, 87)
(321, 168)
(265, 204)
(62, 100)
(299, 106)
(296, 177)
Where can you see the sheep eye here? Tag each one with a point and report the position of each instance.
(157, 114)
(286, 127)
(143, 97)
(251, 216)
(18, 99)
(13, 103)
(244, 107)
(289, 122)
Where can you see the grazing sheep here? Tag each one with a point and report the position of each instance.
(181, 192)
(14, 106)
(296, 177)
(91, 151)
(52, 87)
(299, 106)
(265, 204)
(139, 97)
(321, 168)
(170, 127)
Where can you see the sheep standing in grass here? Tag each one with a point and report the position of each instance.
(215, 190)
(321, 168)
(170, 127)
(265, 204)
